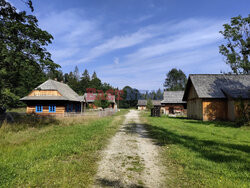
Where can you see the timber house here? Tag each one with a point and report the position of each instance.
(217, 96)
(142, 104)
(91, 97)
(172, 103)
(53, 98)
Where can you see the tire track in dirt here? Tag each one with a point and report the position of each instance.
(131, 159)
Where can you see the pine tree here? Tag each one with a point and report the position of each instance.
(84, 82)
(94, 76)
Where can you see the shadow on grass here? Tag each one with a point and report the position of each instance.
(18, 121)
(219, 152)
(215, 123)
(116, 183)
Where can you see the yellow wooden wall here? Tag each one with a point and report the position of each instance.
(214, 109)
(59, 110)
(237, 107)
(45, 93)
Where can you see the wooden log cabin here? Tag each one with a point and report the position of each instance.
(53, 98)
(172, 103)
(217, 96)
(142, 104)
(91, 97)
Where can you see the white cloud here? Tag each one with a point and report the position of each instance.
(179, 42)
(116, 61)
(193, 48)
(72, 33)
(117, 42)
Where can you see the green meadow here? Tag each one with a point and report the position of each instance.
(202, 154)
(54, 152)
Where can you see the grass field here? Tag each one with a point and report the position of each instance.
(202, 154)
(59, 153)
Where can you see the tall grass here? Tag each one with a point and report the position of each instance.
(61, 153)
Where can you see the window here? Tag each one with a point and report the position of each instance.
(52, 108)
(69, 107)
(39, 108)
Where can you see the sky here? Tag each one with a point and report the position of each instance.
(137, 42)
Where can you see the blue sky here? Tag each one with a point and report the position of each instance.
(136, 42)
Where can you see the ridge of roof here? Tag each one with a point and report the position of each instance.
(213, 85)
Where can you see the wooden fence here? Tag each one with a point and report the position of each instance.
(98, 113)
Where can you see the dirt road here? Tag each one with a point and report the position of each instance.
(131, 159)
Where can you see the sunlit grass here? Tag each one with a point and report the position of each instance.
(202, 154)
(64, 153)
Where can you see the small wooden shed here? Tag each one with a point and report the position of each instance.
(156, 110)
(142, 104)
(216, 96)
(172, 103)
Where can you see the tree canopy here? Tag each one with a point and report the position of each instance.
(24, 60)
(175, 80)
(237, 46)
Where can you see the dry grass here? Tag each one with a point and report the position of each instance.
(63, 152)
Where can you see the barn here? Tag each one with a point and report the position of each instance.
(142, 104)
(172, 103)
(53, 98)
(217, 96)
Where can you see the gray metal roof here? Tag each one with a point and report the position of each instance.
(219, 85)
(173, 97)
(66, 92)
(144, 102)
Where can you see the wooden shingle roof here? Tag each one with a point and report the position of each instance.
(173, 97)
(144, 102)
(66, 92)
(219, 85)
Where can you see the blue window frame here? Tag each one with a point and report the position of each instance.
(39, 108)
(52, 108)
(69, 108)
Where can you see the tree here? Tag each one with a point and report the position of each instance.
(101, 101)
(95, 82)
(237, 47)
(84, 82)
(76, 73)
(94, 76)
(176, 80)
(129, 97)
(24, 59)
(72, 81)
(149, 104)
(159, 94)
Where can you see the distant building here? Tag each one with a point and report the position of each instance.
(142, 104)
(91, 97)
(53, 98)
(217, 96)
(56, 98)
(172, 103)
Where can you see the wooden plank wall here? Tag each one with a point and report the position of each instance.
(45, 93)
(59, 110)
(214, 109)
(194, 109)
(194, 105)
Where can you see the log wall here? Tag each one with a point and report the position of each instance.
(45, 93)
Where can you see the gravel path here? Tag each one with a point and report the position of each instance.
(131, 158)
